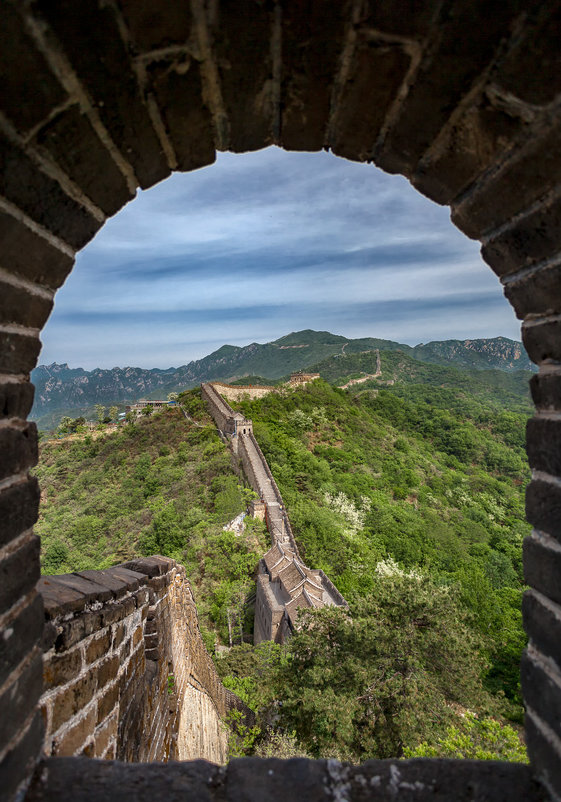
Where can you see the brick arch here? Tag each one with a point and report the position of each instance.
(100, 98)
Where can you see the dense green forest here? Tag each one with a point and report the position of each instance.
(161, 485)
(406, 489)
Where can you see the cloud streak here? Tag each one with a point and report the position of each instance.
(265, 243)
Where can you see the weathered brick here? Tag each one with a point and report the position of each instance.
(18, 352)
(151, 641)
(73, 699)
(177, 85)
(543, 507)
(99, 646)
(542, 568)
(536, 294)
(29, 255)
(108, 702)
(59, 599)
(103, 735)
(536, 44)
(16, 399)
(118, 635)
(546, 391)
(461, 50)
(90, 590)
(72, 632)
(112, 613)
(543, 444)
(58, 669)
(50, 634)
(309, 65)
(542, 691)
(149, 566)
(20, 307)
(107, 671)
(482, 135)
(74, 739)
(124, 650)
(19, 762)
(110, 81)
(154, 25)
(92, 622)
(137, 637)
(42, 198)
(19, 572)
(534, 172)
(533, 238)
(141, 596)
(29, 91)
(19, 506)
(20, 698)
(544, 754)
(18, 447)
(19, 636)
(542, 622)
(72, 142)
(542, 340)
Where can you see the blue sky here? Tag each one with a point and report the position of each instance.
(262, 244)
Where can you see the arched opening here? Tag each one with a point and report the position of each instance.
(426, 93)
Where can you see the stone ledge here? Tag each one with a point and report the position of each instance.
(255, 780)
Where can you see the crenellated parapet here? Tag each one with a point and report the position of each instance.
(126, 673)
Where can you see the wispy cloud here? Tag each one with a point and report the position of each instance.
(265, 243)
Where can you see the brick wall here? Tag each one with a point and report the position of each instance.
(98, 98)
(126, 674)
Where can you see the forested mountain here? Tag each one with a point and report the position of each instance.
(61, 390)
(410, 495)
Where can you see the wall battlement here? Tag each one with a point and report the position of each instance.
(126, 673)
(285, 585)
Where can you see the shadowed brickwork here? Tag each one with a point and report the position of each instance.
(99, 98)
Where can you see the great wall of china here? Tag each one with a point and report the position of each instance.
(285, 584)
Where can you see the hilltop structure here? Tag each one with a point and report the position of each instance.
(285, 585)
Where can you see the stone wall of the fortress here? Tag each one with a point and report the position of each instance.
(239, 392)
(126, 673)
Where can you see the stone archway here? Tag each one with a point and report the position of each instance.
(98, 98)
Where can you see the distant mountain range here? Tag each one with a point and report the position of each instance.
(60, 390)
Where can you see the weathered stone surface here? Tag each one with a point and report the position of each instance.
(543, 444)
(530, 240)
(19, 572)
(538, 43)
(542, 622)
(242, 36)
(536, 294)
(483, 134)
(107, 671)
(544, 754)
(110, 82)
(108, 702)
(29, 255)
(20, 760)
(542, 691)
(42, 198)
(58, 669)
(18, 448)
(91, 591)
(20, 698)
(252, 779)
(546, 391)
(20, 307)
(542, 565)
(30, 91)
(19, 505)
(59, 598)
(98, 646)
(16, 399)
(150, 566)
(543, 507)
(72, 699)
(74, 739)
(155, 25)
(378, 70)
(533, 175)
(20, 636)
(311, 44)
(176, 83)
(18, 352)
(72, 142)
(542, 340)
(461, 50)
